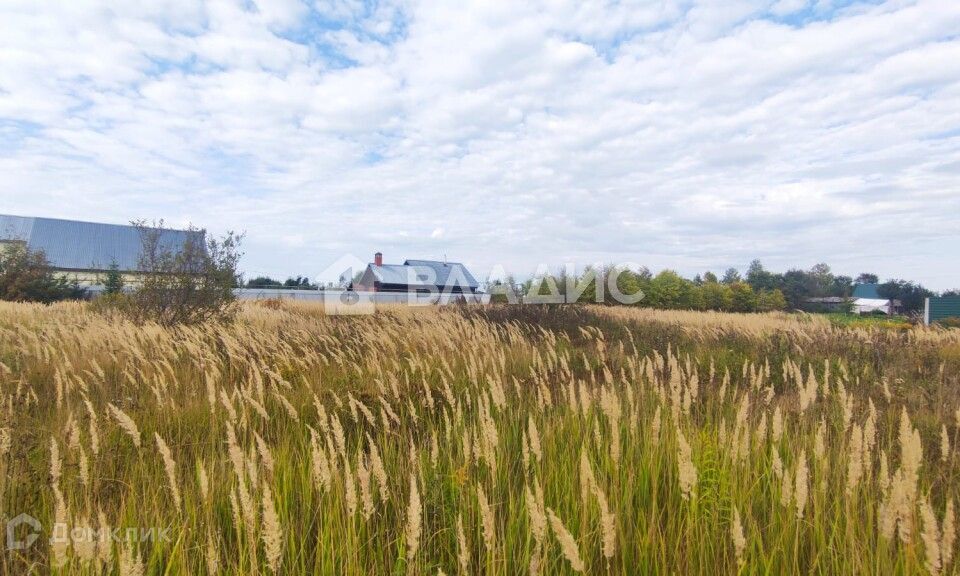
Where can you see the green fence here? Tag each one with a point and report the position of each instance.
(941, 307)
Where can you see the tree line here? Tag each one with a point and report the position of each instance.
(197, 283)
(758, 290)
(293, 283)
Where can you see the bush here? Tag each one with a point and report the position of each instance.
(950, 322)
(26, 276)
(771, 300)
(187, 286)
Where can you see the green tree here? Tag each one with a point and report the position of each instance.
(842, 286)
(820, 280)
(299, 283)
(709, 278)
(628, 282)
(911, 296)
(771, 300)
(759, 278)
(590, 276)
(692, 297)
(797, 287)
(717, 296)
(263, 282)
(189, 285)
(731, 276)
(26, 276)
(666, 290)
(743, 298)
(114, 282)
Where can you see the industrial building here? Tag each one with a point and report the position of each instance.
(85, 251)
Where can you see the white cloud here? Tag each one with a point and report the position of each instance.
(685, 134)
(787, 7)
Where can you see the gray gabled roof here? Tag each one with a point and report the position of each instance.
(74, 245)
(424, 273)
(453, 272)
(401, 274)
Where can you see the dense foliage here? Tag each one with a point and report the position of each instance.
(26, 276)
(263, 282)
(667, 290)
(912, 296)
(298, 282)
(759, 291)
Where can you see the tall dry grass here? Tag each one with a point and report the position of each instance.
(492, 441)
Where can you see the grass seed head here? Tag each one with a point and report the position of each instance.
(568, 545)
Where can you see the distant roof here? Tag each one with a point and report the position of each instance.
(400, 274)
(456, 272)
(73, 245)
(867, 291)
(425, 273)
(827, 299)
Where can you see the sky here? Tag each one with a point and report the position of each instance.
(689, 135)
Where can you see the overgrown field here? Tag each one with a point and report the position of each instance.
(501, 440)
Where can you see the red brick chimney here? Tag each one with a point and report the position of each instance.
(378, 259)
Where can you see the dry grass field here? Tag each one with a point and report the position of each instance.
(499, 440)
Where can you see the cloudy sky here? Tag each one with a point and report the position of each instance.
(691, 134)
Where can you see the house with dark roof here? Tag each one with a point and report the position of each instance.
(85, 251)
(418, 276)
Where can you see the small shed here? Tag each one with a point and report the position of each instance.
(871, 305)
(867, 299)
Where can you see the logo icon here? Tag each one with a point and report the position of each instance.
(21, 543)
(340, 298)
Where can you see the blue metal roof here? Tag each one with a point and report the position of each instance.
(867, 291)
(453, 272)
(403, 274)
(425, 273)
(73, 245)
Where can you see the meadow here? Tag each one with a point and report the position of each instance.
(494, 440)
